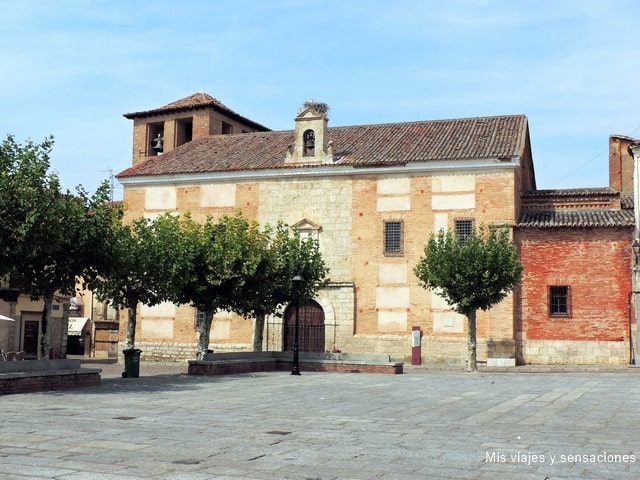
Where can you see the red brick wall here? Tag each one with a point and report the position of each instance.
(595, 263)
(620, 163)
(31, 383)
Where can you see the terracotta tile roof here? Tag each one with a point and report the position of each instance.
(563, 208)
(358, 146)
(576, 218)
(571, 192)
(195, 101)
(626, 201)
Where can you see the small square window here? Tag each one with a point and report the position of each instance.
(464, 228)
(559, 300)
(393, 242)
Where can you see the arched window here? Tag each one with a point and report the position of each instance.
(309, 139)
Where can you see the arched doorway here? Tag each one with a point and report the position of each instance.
(311, 327)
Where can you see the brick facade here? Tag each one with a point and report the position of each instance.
(578, 241)
(357, 178)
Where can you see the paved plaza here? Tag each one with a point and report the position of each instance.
(323, 426)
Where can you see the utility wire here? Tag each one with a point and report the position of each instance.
(581, 166)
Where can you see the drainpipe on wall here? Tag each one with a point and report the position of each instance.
(635, 151)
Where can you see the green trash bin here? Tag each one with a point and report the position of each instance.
(131, 363)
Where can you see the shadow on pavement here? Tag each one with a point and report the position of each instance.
(158, 383)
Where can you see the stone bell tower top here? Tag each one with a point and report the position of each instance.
(311, 144)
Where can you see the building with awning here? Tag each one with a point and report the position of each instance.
(78, 325)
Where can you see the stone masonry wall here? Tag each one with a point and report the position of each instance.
(567, 352)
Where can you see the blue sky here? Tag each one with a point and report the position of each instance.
(73, 68)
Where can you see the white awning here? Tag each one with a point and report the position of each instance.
(76, 325)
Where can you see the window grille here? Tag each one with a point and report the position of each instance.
(559, 300)
(393, 241)
(464, 229)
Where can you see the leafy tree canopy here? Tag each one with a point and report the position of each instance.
(476, 273)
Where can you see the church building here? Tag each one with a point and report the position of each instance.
(372, 195)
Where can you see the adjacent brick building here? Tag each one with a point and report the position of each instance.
(574, 298)
(372, 195)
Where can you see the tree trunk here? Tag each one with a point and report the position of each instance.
(45, 334)
(258, 332)
(471, 342)
(130, 341)
(204, 331)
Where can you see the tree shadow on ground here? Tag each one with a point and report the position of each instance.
(152, 384)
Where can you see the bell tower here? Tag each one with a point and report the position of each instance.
(311, 144)
(200, 115)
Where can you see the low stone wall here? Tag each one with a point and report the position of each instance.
(234, 363)
(571, 352)
(41, 375)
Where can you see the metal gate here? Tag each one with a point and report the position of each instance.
(311, 327)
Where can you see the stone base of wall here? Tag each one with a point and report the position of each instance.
(568, 352)
(180, 352)
(435, 350)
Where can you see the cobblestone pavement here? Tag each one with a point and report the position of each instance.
(322, 426)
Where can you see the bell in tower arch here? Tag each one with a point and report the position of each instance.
(157, 144)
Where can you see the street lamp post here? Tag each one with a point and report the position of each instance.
(297, 287)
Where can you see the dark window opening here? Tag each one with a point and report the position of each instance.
(184, 131)
(393, 242)
(227, 128)
(559, 300)
(309, 139)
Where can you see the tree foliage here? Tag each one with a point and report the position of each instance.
(147, 260)
(225, 254)
(473, 274)
(238, 266)
(284, 254)
(50, 238)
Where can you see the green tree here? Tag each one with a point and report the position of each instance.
(146, 261)
(225, 254)
(283, 255)
(49, 237)
(23, 177)
(475, 273)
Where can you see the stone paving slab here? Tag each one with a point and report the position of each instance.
(327, 426)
